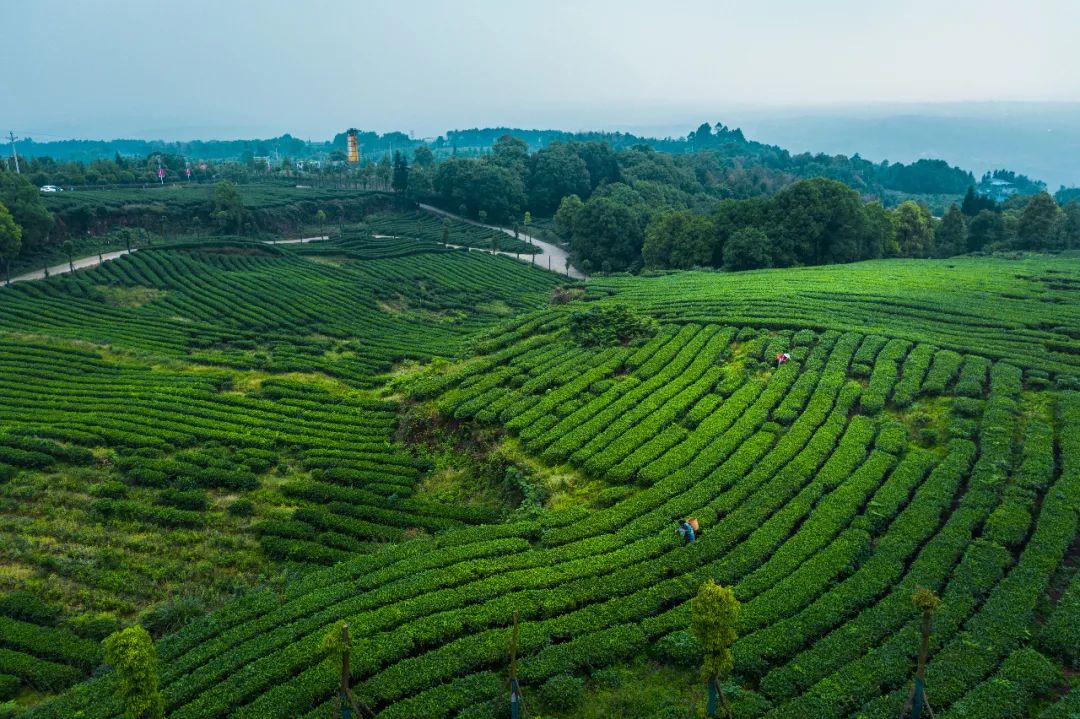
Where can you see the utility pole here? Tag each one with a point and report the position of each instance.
(346, 673)
(515, 688)
(14, 154)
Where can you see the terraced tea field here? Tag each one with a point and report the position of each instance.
(172, 420)
(926, 433)
(428, 228)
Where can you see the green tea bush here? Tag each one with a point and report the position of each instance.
(563, 693)
(241, 507)
(679, 649)
(171, 615)
(9, 685)
(30, 608)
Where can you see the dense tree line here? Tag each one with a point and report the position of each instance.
(723, 164)
(33, 221)
(712, 198)
(810, 222)
(120, 170)
(634, 207)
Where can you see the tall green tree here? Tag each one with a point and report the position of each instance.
(555, 172)
(131, 653)
(69, 250)
(601, 162)
(511, 153)
(567, 214)
(478, 185)
(607, 236)
(400, 181)
(986, 230)
(24, 202)
(974, 203)
(714, 613)
(747, 249)
(384, 172)
(731, 216)
(1038, 227)
(950, 235)
(914, 231)
(678, 239)
(229, 212)
(1070, 225)
(10, 240)
(880, 237)
(817, 221)
(423, 156)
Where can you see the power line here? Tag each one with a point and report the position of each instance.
(11, 136)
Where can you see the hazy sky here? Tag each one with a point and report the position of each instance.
(226, 68)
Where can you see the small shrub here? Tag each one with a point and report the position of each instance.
(29, 608)
(967, 406)
(608, 677)
(962, 428)
(196, 500)
(680, 649)
(610, 496)
(111, 489)
(1067, 382)
(892, 438)
(746, 333)
(170, 615)
(242, 507)
(606, 325)
(9, 685)
(94, 625)
(564, 295)
(563, 693)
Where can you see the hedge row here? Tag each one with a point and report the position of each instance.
(916, 367)
(861, 680)
(49, 643)
(1061, 634)
(884, 375)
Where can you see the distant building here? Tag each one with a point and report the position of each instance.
(997, 189)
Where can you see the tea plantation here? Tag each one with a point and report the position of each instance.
(222, 418)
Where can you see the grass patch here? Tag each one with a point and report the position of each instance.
(129, 297)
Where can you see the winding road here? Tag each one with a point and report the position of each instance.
(550, 256)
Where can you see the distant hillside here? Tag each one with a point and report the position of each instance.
(1038, 140)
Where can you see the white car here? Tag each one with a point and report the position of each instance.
(50, 188)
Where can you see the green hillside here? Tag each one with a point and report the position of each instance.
(225, 417)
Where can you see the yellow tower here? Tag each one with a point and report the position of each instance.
(354, 150)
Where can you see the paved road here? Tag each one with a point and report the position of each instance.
(298, 240)
(550, 255)
(94, 260)
(81, 263)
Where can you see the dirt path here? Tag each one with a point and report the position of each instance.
(550, 256)
(94, 260)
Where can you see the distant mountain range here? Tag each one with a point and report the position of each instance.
(1041, 140)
